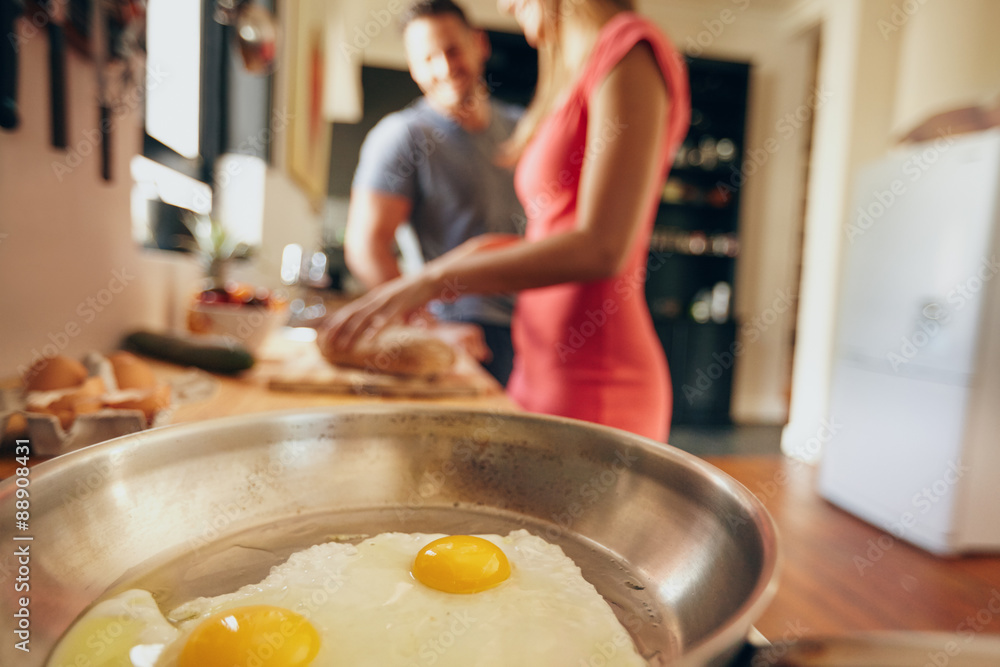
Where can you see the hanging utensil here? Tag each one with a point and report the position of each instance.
(56, 10)
(99, 26)
(257, 38)
(9, 11)
(256, 33)
(118, 28)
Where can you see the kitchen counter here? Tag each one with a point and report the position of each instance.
(249, 392)
(840, 575)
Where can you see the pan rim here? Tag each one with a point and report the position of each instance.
(718, 642)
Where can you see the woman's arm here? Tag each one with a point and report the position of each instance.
(627, 119)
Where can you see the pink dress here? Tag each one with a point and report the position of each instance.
(589, 350)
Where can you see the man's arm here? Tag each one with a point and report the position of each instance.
(372, 220)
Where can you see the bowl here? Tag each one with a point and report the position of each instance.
(244, 325)
(685, 555)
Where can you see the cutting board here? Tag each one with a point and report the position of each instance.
(288, 365)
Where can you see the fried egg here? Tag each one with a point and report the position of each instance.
(395, 599)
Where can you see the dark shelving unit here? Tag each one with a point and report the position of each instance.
(695, 245)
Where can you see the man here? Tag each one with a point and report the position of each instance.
(434, 164)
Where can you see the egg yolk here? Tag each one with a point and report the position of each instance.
(461, 564)
(260, 635)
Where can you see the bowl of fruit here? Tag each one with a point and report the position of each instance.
(239, 313)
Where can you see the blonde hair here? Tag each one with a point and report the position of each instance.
(554, 74)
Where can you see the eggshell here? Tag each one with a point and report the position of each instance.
(131, 371)
(88, 398)
(149, 402)
(58, 372)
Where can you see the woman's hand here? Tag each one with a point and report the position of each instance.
(401, 298)
(391, 302)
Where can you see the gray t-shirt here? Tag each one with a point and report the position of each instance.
(456, 188)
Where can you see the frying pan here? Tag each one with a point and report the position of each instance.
(685, 556)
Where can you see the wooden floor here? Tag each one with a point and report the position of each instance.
(828, 588)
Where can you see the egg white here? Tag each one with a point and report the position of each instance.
(370, 611)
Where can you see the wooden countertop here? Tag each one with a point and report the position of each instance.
(823, 588)
(249, 393)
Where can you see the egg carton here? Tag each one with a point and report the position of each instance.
(48, 437)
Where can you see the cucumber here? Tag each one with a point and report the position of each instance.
(217, 358)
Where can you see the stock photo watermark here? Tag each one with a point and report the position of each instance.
(265, 478)
(432, 650)
(784, 129)
(87, 311)
(807, 451)
(422, 148)
(935, 316)
(922, 502)
(93, 137)
(798, 456)
(899, 16)
(87, 484)
(609, 131)
(974, 624)
(22, 545)
(913, 169)
(751, 332)
(604, 652)
(376, 21)
(254, 144)
(772, 654)
(425, 144)
(31, 25)
(430, 482)
(590, 493)
(593, 320)
(714, 28)
(966, 631)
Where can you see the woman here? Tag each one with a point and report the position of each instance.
(592, 153)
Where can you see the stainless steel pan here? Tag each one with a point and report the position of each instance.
(685, 555)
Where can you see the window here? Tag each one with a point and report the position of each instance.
(200, 103)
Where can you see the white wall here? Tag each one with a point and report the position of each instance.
(382, 45)
(70, 279)
(289, 215)
(858, 69)
(950, 54)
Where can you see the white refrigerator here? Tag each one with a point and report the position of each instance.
(915, 398)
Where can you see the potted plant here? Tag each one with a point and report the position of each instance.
(215, 247)
(241, 313)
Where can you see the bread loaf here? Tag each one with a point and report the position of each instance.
(397, 350)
